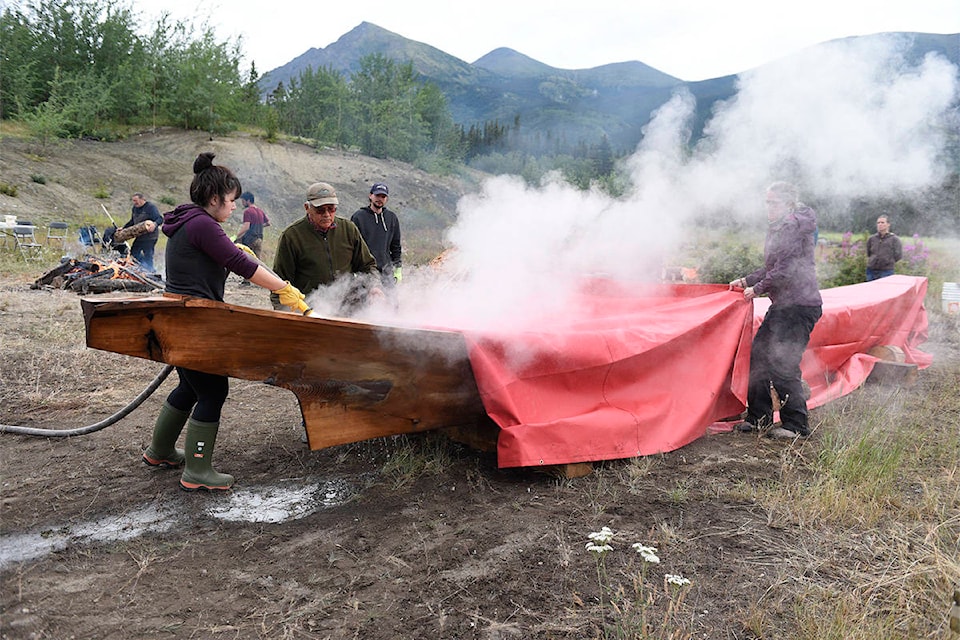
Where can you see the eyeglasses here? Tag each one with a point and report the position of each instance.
(326, 208)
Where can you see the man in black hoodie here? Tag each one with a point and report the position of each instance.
(380, 229)
(789, 277)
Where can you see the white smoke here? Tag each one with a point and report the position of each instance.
(843, 120)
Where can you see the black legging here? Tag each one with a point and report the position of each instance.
(775, 357)
(205, 390)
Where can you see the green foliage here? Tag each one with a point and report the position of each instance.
(271, 123)
(79, 67)
(843, 265)
(46, 122)
(316, 105)
(102, 192)
(728, 258)
(389, 124)
(8, 189)
(168, 200)
(38, 178)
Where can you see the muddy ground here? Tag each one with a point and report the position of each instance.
(395, 538)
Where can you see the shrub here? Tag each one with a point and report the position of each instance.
(916, 259)
(101, 192)
(8, 189)
(38, 179)
(728, 259)
(843, 265)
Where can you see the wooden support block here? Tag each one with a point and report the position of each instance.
(482, 435)
(566, 471)
(895, 373)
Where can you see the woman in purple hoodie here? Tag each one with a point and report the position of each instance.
(199, 257)
(789, 277)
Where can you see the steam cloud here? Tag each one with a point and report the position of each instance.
(843, 120)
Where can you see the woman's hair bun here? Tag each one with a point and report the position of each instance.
(203, 162)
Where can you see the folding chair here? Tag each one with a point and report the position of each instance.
(27, 243)
(57, 231)
(90, 238)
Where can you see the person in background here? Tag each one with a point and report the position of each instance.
(380, 229)
(199, 256)
(251, 230)
(322, 247)
(789, 278)
(144, 245)
(884, 250)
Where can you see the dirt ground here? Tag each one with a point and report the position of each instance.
(394, 538)
(408, 537)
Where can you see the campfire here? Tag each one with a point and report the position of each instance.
(92, 274)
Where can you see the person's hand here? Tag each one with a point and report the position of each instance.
(749, 293)
(739, 283)
(376, 293)
(397, 274)
(291, 297)
(150, 225)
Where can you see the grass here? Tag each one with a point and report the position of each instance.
(859, 526)
(864, 520)
(877, 504)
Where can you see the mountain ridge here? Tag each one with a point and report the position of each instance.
(612, 101)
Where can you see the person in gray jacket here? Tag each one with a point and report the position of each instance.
(789, 278)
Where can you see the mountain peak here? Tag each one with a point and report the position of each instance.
(507, 62)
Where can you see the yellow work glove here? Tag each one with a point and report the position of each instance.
(291, 297)
(397, 274)
(248, 250)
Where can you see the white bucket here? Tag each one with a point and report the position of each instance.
(951, 297)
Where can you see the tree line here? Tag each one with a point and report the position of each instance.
(89, 68)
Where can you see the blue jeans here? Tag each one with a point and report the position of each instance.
(876, 274)
(142, 252)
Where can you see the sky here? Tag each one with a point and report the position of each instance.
(688, 39)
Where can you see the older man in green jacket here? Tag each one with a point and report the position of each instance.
(323, 247)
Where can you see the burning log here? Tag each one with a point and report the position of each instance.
(93, 275)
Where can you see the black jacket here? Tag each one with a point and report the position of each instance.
(381, 232)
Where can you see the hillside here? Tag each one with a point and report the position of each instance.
(63, 180)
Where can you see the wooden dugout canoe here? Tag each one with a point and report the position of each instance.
(354, 380)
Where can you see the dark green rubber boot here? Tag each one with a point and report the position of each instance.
(198, 470)
(162, 452)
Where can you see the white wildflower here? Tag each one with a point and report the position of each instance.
(648, 553)
(677, 581)
(598, 549)
(603, 536)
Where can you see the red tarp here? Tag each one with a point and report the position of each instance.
(641, 370)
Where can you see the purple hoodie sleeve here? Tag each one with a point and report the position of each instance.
(207, 235)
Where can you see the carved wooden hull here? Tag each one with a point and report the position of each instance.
(354, 380)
